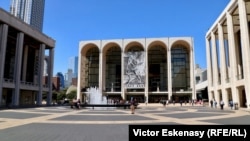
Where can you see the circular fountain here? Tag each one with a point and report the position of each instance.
(96, 99)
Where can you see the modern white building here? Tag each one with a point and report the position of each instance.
(228, 55)
(148, 69)
(30, 11)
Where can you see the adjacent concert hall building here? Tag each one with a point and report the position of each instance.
(22, 57)
(148, 69)
(228, 55)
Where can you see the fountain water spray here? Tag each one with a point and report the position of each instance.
(95, 96)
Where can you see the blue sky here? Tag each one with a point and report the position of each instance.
(71, 21)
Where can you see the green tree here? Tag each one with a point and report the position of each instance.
(61, 96)
(71, 95)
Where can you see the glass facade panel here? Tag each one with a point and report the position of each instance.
(92, 68)
(180, 68)
(157, 62)
(113, 69)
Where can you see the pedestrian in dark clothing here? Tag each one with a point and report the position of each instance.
(221, 105)
(231, 104)
(211, 103)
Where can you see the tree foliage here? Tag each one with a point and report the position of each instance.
(71, 95)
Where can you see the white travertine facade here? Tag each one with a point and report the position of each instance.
(228, 55)
(149, 69)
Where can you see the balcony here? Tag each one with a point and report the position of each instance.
(10, 83)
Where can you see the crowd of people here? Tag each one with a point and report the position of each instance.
(213, 104)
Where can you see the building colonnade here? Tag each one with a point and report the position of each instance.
(22, 55)
(228, 55)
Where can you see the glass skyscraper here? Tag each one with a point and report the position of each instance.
(30, 11)
(73, 65)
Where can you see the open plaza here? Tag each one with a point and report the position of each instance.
(61, 123)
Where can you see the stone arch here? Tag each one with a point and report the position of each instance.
(135, 46)
(89, 63)
(182, 43)
(181, 68)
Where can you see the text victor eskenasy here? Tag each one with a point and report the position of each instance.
(166, 132)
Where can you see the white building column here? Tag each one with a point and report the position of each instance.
(40, 73)
(146, 75)
(17, 72)
(192, 76)
(122, 75)
(104, 65)
(245, 47)
(100, 71)
(145, 46)
(80, 74)
(209, 69)
(232, 54)
(3, 45)
(50, 75)
(170, 91)
(222, 63)
(215, 67)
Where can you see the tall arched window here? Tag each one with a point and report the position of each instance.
(113, 69)
(157, 68)
(180, 68)
(92, 68)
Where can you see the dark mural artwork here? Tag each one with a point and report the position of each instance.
(134, 73)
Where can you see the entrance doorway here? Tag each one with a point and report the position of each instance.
(242, 97)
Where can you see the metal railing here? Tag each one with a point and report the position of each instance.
(6, 80)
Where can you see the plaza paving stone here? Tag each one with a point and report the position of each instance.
(245, 120)
(19, 115)
(102, 112)
(102, 118)
(190, 115)
(105, 124)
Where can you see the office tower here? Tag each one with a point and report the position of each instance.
(73, 65)
(30, 11)
(68, 78)
(60, 75)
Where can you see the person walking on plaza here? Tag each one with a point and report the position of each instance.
(221, 104)
(211, 103)
(215, 104)
(231, 104)
(132, 105)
